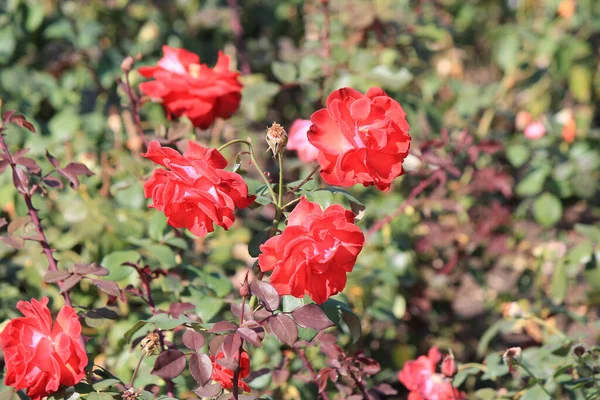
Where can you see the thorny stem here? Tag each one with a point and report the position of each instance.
(437, 175)
(134, 104)
(310, 369)
(304, 182)
(536, 380)
(135, 371)
(47, 250)
(256, 165)
(360, 384)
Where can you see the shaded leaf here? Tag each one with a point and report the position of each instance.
(223, 326)
(138, 325)
(231, 345)
(56, 276)
(193, 340)
(250, 336)
(169, 364)
(284, 328)
(70, 282)
(201, 368)
(108, 287)
(311, 316)
(266, 293)
(210, 390)
(17, 223)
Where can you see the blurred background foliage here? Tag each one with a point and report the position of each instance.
(517, 222)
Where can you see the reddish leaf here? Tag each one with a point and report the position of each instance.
(211, 390)
(108, 287)
(15, 242)
(17, 224)
(311, 316)
(222, 326)
(266, 293)
(231, 345)
(20, 180)
(3, 165)
(324, 376)
(70, 282)
(216, 344)
(236, 310)
(169, 364)
(176, 309)
(385, 388)
(193, 340)
(21, 121)
(201, 368)
(2, 222)
(72, 170)
(250, 336)
(53, 182)
(53, 160)
(28, 163)
(90, 269)
(56, 276)
(228, 363)
(284, 328)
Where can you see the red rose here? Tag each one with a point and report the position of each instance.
(314, 252)
(194, 190)
(40, 357)
(361, 138)
(424, 383)
(298, 140)
(189, 88)
(225, 376)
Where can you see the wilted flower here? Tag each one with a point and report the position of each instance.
(276, 138)
(511, 358)
(150, 343)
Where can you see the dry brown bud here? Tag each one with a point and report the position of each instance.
(276, 138)
(510, 357)
(150, 343)
(579, 350)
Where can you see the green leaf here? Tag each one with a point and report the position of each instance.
(157, 226)
(518, 154)
(495, 367)
(284, 72)
(497, 327)
(100, 385)
(590, 231)
(462, 375)
(534, 393)
(391, 79)
(163, 254)
(558, 288)
(114, 261)
(138, 325)
(163, 321)
(547, 209)
(290, 303)
(506, 51)
(580, 83)
(99, 396)
(64, 124)
(533, 183)
(341, 315)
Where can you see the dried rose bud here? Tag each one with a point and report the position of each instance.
(150, 343)
(449, 367)
(245, 290)
(130, 394)
(127, 64)
(579, 350)
(276, 138)
(510, 357)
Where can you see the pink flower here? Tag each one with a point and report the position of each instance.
(535, 130)
(424, 383)
(298, 140)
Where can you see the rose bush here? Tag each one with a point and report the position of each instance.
(41, 356)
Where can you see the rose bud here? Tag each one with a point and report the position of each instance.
(449, 367)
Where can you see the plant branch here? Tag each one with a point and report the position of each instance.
(360, 384)
(302, 355)
(134, 105)
(135, 371)
(304, 182)
(536, 380)
(253, 158)
(47, 250)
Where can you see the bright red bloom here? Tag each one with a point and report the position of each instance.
(225, 376)
(314, 253)
(194, 190)
(424, 383)
(40, 357)
(195, 90)
(298, 140)
(361, 138)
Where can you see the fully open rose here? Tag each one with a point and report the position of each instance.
(194, 191)
(186, 87)
(225, 376)
(314, 253)
(424, 383)
(361, 138)
(41, 357)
